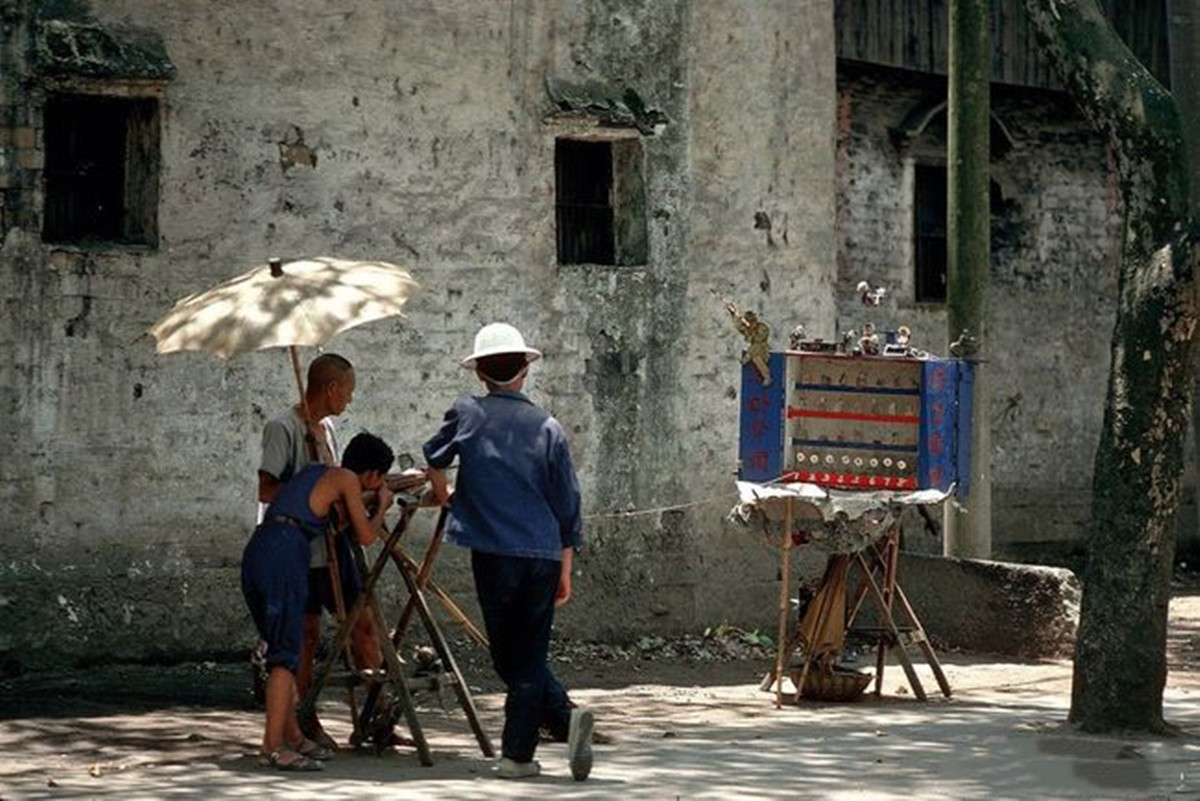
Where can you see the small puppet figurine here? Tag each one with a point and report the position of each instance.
(965, 346)
(797, 336)
(869, 342)
(758, 339)
(868, 296)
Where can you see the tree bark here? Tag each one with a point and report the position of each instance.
(1120, 655)
(968, 156)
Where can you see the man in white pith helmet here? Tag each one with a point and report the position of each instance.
(517, 507)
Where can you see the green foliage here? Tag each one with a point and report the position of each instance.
(725, 631)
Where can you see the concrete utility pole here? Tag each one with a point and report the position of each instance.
(1183, 36)
(969, 526)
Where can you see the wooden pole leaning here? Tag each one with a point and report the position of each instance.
(825, 606)
(339, 605)
(785, 585)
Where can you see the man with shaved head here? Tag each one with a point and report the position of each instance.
(290, 442)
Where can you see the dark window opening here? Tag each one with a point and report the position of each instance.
(101, 170)
(600, 205)
(583, 175)
(929, 225)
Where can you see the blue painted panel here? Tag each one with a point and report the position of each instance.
(760, 435)
(966, 403)
(938, 465)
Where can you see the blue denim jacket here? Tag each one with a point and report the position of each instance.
(516, 493)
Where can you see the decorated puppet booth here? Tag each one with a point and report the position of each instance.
(836, 441)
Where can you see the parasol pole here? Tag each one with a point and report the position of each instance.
(299, 380)
(275, 265)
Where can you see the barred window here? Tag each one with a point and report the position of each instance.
(929, 226)
(101, 169)
(600, 204)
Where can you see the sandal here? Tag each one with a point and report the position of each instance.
(313, 750)
(312, 729)
(400, 741)
(298, 762)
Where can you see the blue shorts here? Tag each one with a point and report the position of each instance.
(320, 590)
(275, 585)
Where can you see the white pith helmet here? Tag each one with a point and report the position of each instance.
(497, 338)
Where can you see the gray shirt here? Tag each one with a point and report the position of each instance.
(285, 452)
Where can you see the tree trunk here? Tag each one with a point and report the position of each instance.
(1120, 654)
(969, 525)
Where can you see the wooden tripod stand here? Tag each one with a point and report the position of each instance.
(876, 568)
(392, 675)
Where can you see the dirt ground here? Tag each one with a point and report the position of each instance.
(677, 722)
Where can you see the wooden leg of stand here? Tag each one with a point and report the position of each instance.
(769, 678)
(339, 603)
(423, 571)
(362, 722)
(395, 671)
(465, 701)
(890, 626)
(860, 595)
(923, 642)
(405, 562)
(888, 583)
(325, 667)
(342, 640)
(785, 592)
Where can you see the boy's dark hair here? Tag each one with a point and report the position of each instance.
(501, 367)
(367, 452)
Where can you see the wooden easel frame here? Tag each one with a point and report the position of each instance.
(877, 568)
(883, 555)
(393, 672)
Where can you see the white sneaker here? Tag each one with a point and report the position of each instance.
(579, 743)
(510, 769)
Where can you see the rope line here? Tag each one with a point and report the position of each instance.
(655, 510)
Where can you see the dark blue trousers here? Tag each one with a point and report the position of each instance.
(516, 596)
(275, 584)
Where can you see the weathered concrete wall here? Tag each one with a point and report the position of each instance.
(1029, 611)
(421, 134)
(1052, 294)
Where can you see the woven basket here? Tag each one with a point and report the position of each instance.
(840, 684)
